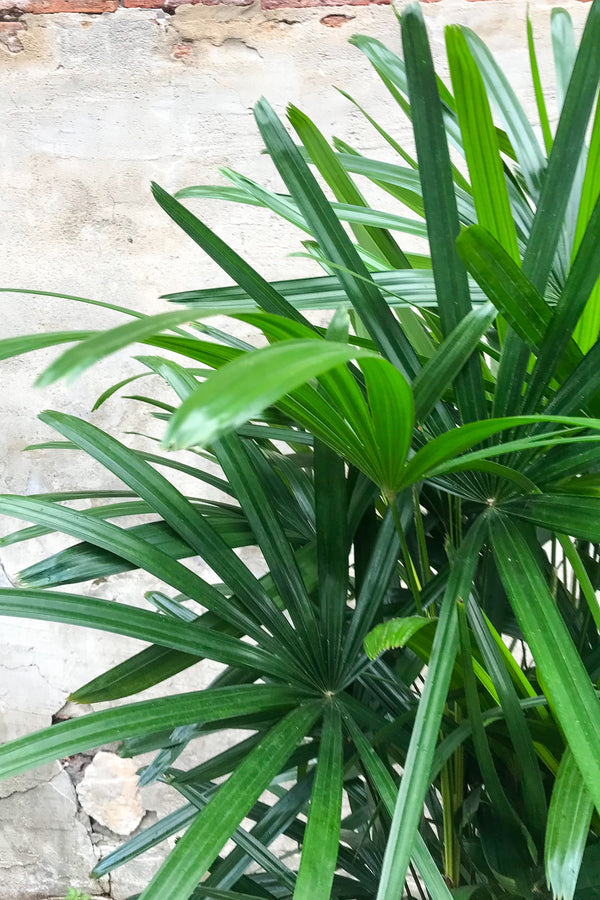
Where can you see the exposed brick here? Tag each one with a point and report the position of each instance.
(41, 7)
(11, 10)
(282, 4)
(222, 2)
(336, 20)
(182, 50)
(144, 4)
(10, 34)
(483, 1)
(170, 5)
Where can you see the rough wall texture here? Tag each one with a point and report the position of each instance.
(97, 99)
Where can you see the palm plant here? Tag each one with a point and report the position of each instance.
(420, 479)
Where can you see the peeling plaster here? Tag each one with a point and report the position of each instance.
(96, 107)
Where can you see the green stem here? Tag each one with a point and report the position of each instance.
(458, 513)
(452, 788)
(454, 521)
(459, 773)
(554, 585)
(409, 568)
(421, 540)
(450, 522)
(583, 579)
(447, 805)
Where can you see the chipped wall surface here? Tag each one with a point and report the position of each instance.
(93, 107)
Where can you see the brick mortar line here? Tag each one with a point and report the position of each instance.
(12, 10)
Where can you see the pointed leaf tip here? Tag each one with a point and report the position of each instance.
(249, 384)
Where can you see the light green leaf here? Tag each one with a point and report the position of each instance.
(569, 818)
(101, 344)
(394, 633)
(518, 128)
(588, 326)
(480, 142)
(537, 86)
(251, 383)
(26, 343)
(392, 414)
(449, 358)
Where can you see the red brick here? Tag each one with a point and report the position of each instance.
(38, 7)
(218, 2)
(282, 4)
(170, 5)
(144, 4)
(182, 50)
(10, 35)
(483, 1)
(41, 7)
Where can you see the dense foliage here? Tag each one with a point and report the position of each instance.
(421, 481)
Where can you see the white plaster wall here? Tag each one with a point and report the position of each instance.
(92, 108)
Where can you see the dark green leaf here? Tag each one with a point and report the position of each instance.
(200, 845)
(117, 618)
(321, 839)
(566, 682)
(439, 200)
(265, 295)
(76, 735)
(415, 780)
(335, 244)
(559, 513)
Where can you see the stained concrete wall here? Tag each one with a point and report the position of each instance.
(92, 109)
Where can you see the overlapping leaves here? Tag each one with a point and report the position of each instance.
(406, 468)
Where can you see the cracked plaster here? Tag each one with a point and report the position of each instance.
(94, 108)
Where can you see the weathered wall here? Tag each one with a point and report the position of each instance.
(94, 106)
